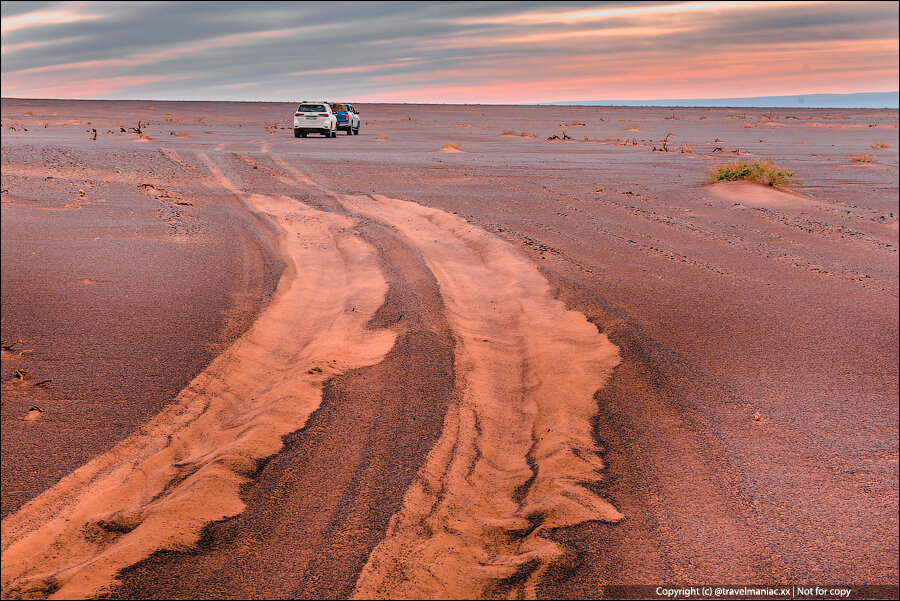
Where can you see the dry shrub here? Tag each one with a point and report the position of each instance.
(688, 148)
(630, 128)
(747, 125)
(880, 145)
(862, 157)
(765, 172)
(523, 134)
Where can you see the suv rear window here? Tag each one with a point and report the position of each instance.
(311, 108)
(339, 108)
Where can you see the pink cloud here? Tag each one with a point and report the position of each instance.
(358, 69)
(237, 86)
(41, 18)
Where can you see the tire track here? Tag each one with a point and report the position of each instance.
(516, 447)
(184, 469)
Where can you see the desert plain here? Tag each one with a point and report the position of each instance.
(448, 357)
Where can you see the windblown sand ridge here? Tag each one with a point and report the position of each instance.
(184, 469)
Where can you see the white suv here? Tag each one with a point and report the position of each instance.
(315, 118)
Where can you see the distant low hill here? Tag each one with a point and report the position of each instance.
(876, 100)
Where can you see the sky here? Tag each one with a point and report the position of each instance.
(446, 52)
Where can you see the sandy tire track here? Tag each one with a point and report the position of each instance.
(517, 443)
(183, 469)
(514, 451)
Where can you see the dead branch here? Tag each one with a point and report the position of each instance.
(8, 346)
(665, 143)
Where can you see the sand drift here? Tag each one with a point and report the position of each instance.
(517, 444)
(511, 463)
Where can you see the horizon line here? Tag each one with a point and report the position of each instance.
(629, 103)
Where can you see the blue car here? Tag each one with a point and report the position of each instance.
(347, 118)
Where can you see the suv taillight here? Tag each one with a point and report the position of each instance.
(323, 114)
